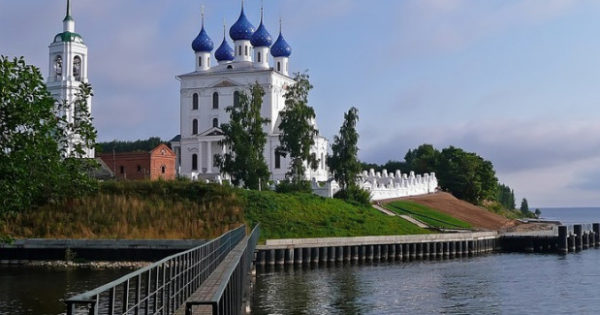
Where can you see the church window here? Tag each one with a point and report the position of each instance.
(195, 127)
(230, 67)
(195, 101)
(163, 169)
(215, 100)
(239, 50)
(246, 50)
(258, 57)
(236, 98)
(58, 67)
(77, 68)
(194, 162)
(199, 61)
(278, 66)
(215, 122)
(277, 160)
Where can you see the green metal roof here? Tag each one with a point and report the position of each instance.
(68, 37)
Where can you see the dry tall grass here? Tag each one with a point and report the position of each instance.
(130, 215)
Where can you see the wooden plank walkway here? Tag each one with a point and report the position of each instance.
(212, 283)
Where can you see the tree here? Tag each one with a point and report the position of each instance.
(297, 129)
(34, 167)
(466, 175)
(506, 197)
(423, 159)
(344, 161)
(524, 206)
(245, 139)
(129, 146)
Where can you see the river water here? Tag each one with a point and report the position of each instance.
(491, 284)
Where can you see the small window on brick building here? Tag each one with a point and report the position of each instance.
(163, 169)
(139, 168)
(122, 169)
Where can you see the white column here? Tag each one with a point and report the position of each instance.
(200, 159)
(210, 157)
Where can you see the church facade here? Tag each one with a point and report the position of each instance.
(68, 57)
(206, 92)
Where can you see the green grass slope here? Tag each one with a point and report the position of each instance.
(428, 215)
(305, 215)
(194, 210)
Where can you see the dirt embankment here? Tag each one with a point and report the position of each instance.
(462, 210)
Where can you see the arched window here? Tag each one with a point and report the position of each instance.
(58, 65)
(199, 61)
(195, 126)
(277, 160)
(246, 50)
(215, 100)
(194, 162)
(258, 57)
(278, 66)
(195, 101)
(239, 50)
(77, 68)
(215, 122)
(236, 98)
(163, 169)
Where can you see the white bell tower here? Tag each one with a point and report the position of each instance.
(68, 69)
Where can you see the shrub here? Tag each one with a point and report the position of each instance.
(285, 187)
(354, 194)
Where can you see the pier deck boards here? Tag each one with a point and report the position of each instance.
(213, 282)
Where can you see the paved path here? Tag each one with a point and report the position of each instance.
(405, 217)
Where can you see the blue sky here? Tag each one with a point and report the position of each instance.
(515, 81)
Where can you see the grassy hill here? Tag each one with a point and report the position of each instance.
(185, 210)
(428, 215)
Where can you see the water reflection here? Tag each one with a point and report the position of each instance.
(40, 290)
(492, 284)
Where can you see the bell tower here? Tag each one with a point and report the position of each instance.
(68, 68)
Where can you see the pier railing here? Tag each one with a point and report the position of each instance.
(160, 287)
(231, 285)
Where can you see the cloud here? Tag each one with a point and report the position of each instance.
(437, 26)
(533, 157)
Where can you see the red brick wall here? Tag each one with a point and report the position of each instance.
(162, 156)
(136, 165)
(142, 165)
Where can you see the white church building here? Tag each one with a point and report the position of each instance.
(206, 92)
(68, 57)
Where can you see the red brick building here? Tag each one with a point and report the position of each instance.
(158, 163)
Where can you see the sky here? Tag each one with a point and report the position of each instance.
(517, 82)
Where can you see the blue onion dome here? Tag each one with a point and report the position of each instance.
(281, 48)
(202, 43)
(242, 29)
(224, 52)
(261, 38)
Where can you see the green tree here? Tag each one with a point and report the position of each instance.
(245, 138)
(129, 146)
(524, 206)
(297, 129)
(506, 197)
(34, 166)
(423, 159)
(343, 162)
(466, 175)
